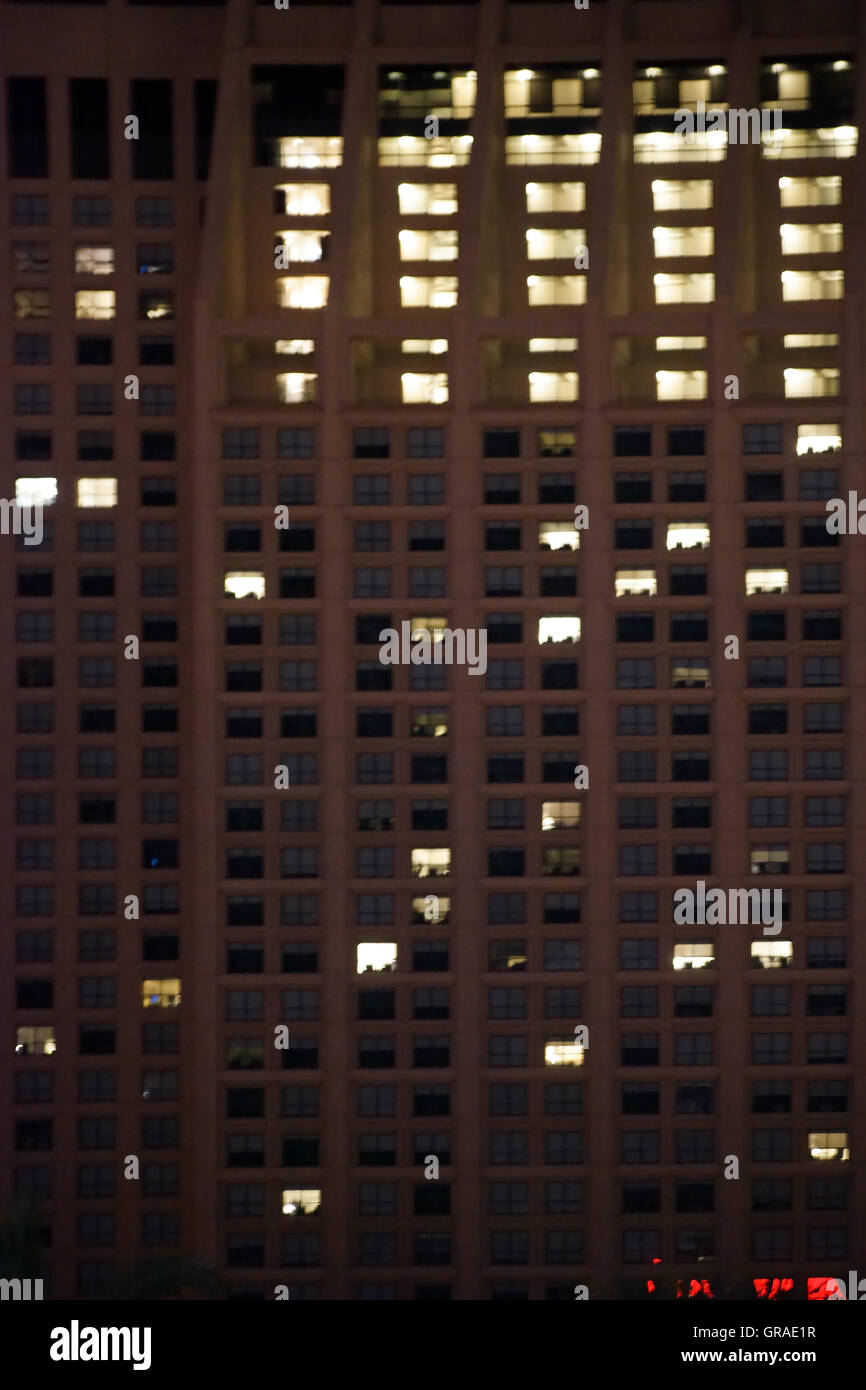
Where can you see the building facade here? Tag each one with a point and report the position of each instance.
(361, 980)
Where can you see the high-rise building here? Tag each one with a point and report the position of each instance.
(534, 328)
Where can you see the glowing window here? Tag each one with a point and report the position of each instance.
(434, 625)
(305, 199)
(810, 238)
(560, 815)
(301, 1201)
(680, 344)
(823, 191)
(641, 582)
(769, 859)
(160, 994)
(427, 199)
(443, 152)
(556, 289)
(563, 1052)
(432, 909)
(34, 304)
(431, 345)
(424, 388)
(818, 439)
(829, 1144)
(429, 723)
(811, 381)
(560, 629)
(811, 340)
(428, 291)
(302, 246)
(696, 288)
(96, 492)
(427, 246)
(693, 955)
(666, 147)
(35, 492)
(33, 1041)
(553, 149)
(681, 386)
(375, 956)
(553, 243)
(244, 584)
(553, 386)
(557, 535)
(303, 291)
(683, 241)
(431, 863)
(295, 347)
(688, 535)
(553, 345)
(812, 284)
(296, 388)
(681, 195)
(772, 955)
(94, 304)
(94, 260)
(766, 580)
(555, 197)
(310, 152)
(838, 142)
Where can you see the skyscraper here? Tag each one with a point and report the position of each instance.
(362, 978)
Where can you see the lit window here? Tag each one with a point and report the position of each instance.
(666, 147)
(94, 260)
(693, 955)
(428, 291)
(560, 815)
(563, 1052)
(305, 199)
(295, 347)
(680, 344)
(811, 381)
(242, 584)
(766, 581)
(35, 492)
(301, 1201)
(94, 304)
(303, 246)
(681, 195)
(553, 149)
(697, 288)
(832, 1144)
(33, 304)
(559, 629)
(769, 859)
(823, 191)
(295, 388)
(435, 626)
(557, 535)
(310, 152)
(683, 241)
(445, 152)
(432, 909)
(562, 95)
(811, 340)
(431, 863)
(553, 386)
(839, 142)
(818, 439)
(424, 345)
(681, 386)
(553, 243)
(427, 199)
(427, 246)
(160, 994)
(33, 1041)
(96, 492)
(424, 388)
(810, 238)
(553, 345)
(772, 955)
(375, 955)
(429, 723)
(555, 197)
(688, 535)
(556, 289)
(640, 582)
(303, 291)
